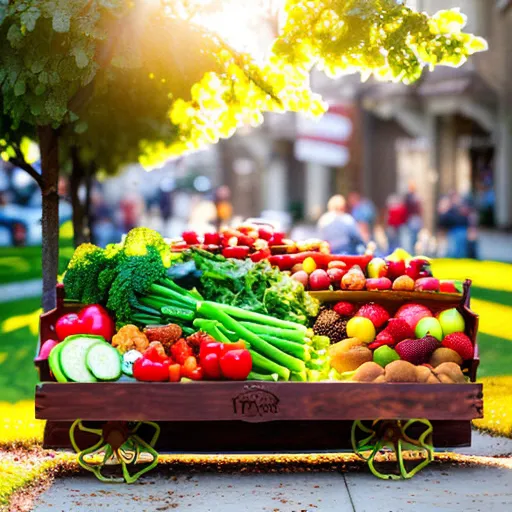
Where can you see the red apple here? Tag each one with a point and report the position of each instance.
(319, 280)
(335, 275)
(395, 269)
(412, 313)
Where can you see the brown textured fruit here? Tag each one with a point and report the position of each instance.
(368, 372)
(423, 373)
(330, 324)
(433, 379)
(400, 371)
(351, 360)
(450, 373)
(444, 355)
(380, 379)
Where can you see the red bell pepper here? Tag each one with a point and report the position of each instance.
(92, 319)
(212, 238)
(239, 252)
(146, 370)
(236, 364)
(190, 237)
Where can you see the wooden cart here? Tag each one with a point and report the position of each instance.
(130, 422)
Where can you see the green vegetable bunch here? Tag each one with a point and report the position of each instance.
(119, 274)
(253, 286)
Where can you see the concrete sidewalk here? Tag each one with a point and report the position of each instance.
(443, 486)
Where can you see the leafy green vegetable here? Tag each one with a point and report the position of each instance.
(252, 286)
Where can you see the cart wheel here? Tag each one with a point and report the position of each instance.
(370, 437)
(118, 443)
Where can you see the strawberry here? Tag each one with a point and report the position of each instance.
(417, 351)
(344, 308)
(459, 342)
(396, 331)
(374, 312)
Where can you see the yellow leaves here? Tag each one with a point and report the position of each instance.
(498, 406)
(17, 423)
(450, 21)
(14, 323)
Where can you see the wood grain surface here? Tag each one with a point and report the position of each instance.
(257, 402)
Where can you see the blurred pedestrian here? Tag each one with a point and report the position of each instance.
(414, 216)
(364, 212)
(132, 207)
(339, 228)
(103, 228)
(453, 218)
(224, 206)
(396, 220)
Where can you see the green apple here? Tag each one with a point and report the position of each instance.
(385, 355)
(451, 321)
(429, 325)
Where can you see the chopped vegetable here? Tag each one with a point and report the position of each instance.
(128, 360)
(54, 363)
(104, 362)
(73, 357)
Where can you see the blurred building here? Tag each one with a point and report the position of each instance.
(450, 131)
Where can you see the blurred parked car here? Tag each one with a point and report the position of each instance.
(21, 225)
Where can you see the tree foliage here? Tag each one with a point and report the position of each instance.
(124, 79)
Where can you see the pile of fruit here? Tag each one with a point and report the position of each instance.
(247, 241)
(398, 272)
(368, 336)
(155, 314)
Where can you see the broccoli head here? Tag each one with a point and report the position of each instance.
(138, 240)
(81, 277)
(134, 276)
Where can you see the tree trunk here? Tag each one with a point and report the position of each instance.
(78, 209)
(89, 173)
(49, 146)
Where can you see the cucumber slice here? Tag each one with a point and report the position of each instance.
(104, 361)
(73, 357)
(54, 362)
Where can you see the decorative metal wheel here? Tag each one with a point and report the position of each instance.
(118, 444)
(371, 437)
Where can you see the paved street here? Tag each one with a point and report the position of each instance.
(445, 487)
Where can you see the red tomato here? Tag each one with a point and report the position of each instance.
(190, 237)
(236, 364)
(68, 325)
(239, 252)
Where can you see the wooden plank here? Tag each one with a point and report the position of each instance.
(256, 402)
(272, 437)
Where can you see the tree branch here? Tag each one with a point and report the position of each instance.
(19, 161)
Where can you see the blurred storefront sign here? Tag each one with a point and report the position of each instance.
(326, 141)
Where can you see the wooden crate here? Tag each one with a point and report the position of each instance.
(264, 416)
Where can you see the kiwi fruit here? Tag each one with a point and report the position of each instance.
(444, 355)
(450, 373)
(368, 372)
(400, 371)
